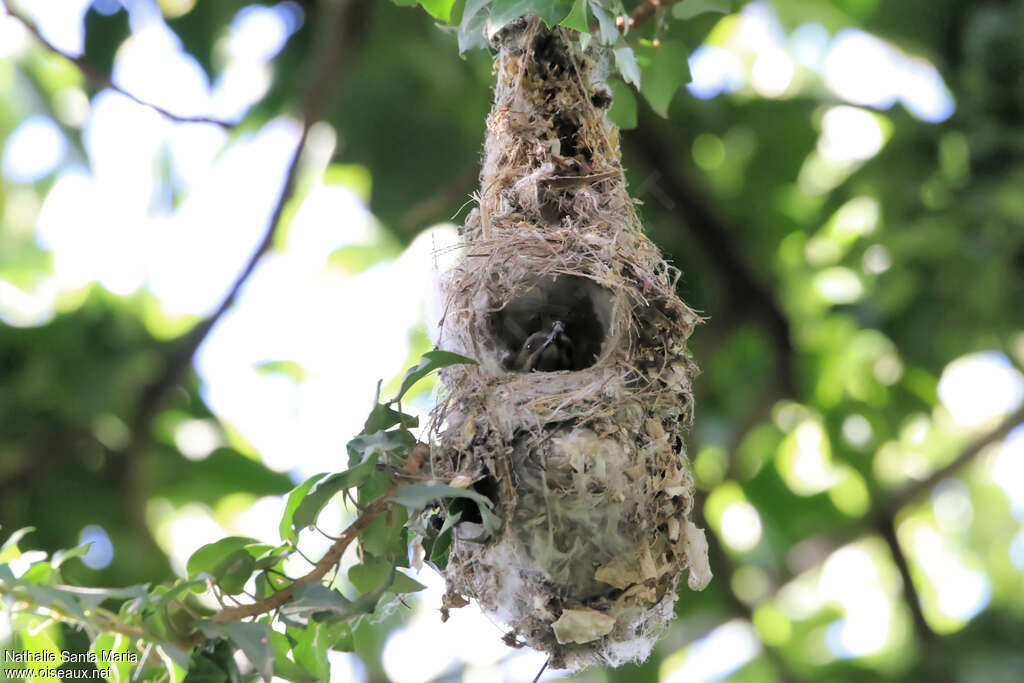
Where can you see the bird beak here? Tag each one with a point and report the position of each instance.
(556, 330)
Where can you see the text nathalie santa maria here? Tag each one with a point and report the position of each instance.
(68, 657)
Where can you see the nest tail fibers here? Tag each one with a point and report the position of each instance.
(571, 423)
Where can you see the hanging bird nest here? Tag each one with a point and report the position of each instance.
(571, 421)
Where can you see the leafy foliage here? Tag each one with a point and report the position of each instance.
(734, 193)
(318, 615)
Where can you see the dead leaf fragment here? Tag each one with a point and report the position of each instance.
(582, 626)
(697, 557)
(622, 571)
(460, 481)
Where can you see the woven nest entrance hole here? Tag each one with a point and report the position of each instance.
(560, 323)
(573, 421)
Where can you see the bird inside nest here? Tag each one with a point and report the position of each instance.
(547, 350)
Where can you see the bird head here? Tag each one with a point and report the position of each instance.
(546, 351)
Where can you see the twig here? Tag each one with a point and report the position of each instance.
(648, 10)
(338, 34)
(886, 527)
(542, 668)
(102, 80)
(915, 490)
(319, 571)
(884, 519)
(641, 14)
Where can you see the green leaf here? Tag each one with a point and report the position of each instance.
(431, 360)
(41, 573)
(252, 638)
(439, 9)
(366, 447)
(623, 109)
(383, 416)
(551, 12)
(356, 258)
(49, 596)
(578, 18)
(355, 177)
(173, 658)
(210, 555)
(450, 521)
(288, 368)
(234, 570)
(316, 602)
(625, 62)
(94, 597)
(417, 496)
(688, 9)
(120, 672)
(376, 574)
(271, 557)
(62, 556)
(471, 28)
(440, 549)
(287, 528)
(373, 488)
(665, 69)
(9, 550)
(404, 583)
(310, 650)
(315, 501)
(387, 537)
(343, 635)
(213, 663)
(284, 667)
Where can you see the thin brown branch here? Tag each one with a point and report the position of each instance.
(898, 500)
(882, 517)
(886, 527)
(284, 595)
(647, 10)
(325, 564)
(102, 80)
(641, 14)
(95, 617)
(885, 516)
(340, 29)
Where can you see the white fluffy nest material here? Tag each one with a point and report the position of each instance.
(585, 464)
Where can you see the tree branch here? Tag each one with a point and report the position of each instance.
(325, 564)
(886, 527)
(642, 13)
(747, 293)
(648, 10)
(884, 518)
(898, 500)
(101, 80)
(339, 31)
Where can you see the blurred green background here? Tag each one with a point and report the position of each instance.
(841, 184)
